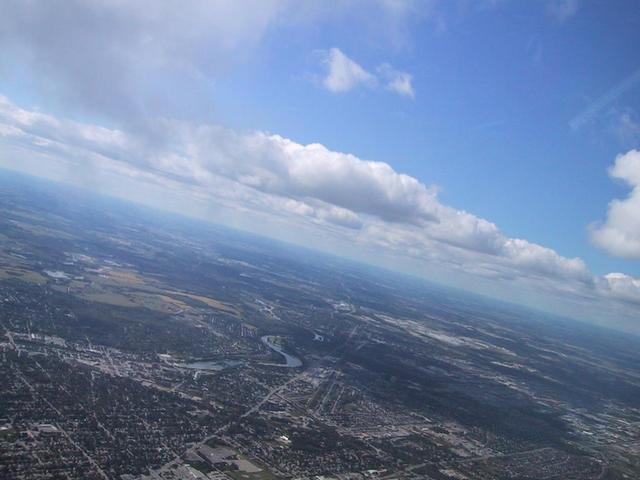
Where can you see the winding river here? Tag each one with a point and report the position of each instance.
(291, 361)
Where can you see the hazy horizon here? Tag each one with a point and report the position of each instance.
(472, 145)
(354, 260)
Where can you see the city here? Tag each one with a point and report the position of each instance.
(122, 358)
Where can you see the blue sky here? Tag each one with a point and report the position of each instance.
(207, 108)
(490, 121)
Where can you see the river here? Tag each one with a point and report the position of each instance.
(291, 361)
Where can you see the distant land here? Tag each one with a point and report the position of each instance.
(138, 344)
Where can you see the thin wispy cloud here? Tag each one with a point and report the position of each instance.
(626, 127)
(602, 102)
(397, 81)
(562, 10)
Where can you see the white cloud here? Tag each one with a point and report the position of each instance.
(604, 101)
(127, 55)
(401, 84)
(622, 286)
(364, 204)
(397, 81)
(118, 59)
(545, 261)
(343, 74)
(620, 233)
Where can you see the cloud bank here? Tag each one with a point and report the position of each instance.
(362, 202)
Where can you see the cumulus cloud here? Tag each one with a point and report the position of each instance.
(368, 202)
(620, 233)
(545, 261)
(267, 163)
(623, 287)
